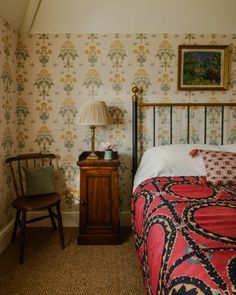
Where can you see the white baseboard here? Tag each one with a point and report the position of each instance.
(70, 219)
(5, 236)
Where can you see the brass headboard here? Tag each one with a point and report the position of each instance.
(138, 105)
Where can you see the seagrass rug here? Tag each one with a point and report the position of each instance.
(78, 269)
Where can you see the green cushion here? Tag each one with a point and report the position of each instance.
(39, 180)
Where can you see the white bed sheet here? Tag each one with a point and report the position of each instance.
(174, 160)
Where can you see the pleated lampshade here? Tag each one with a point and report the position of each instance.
(93, 113)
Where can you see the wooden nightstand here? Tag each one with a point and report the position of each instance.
(99, 200)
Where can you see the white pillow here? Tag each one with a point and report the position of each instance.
(174, 160)
(229, 148)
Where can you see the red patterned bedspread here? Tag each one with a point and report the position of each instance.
(185, 236)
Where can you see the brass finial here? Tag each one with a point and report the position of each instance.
(135, 90)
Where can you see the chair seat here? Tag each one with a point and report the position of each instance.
(36, 202)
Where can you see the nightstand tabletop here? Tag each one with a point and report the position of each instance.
(98, 162)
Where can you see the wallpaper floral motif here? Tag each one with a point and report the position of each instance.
(8, 93)
(52, 75)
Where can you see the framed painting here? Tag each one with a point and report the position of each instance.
(203, 67)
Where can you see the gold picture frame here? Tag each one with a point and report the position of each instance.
(203, 67)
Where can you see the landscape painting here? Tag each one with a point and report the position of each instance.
(203, 67)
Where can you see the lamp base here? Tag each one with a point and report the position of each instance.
(92, 156)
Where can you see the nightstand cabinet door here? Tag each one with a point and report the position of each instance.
(99, 202)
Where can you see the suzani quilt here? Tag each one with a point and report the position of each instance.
(185, 236)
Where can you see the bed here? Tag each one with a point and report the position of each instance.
(183, 212)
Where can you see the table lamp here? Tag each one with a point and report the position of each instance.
(93, 113)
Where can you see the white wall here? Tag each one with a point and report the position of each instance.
(13, 11)
(136, 16)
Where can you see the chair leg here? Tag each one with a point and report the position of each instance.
(16, 223)
(23, 230)
(60, 226)
(52, 218)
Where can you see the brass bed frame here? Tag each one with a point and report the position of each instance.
(137, 107)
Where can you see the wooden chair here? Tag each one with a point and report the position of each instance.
(24, 203)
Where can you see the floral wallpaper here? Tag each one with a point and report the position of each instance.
(56, 73)
(8, 118)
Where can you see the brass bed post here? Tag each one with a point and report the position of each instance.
(134, 130)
